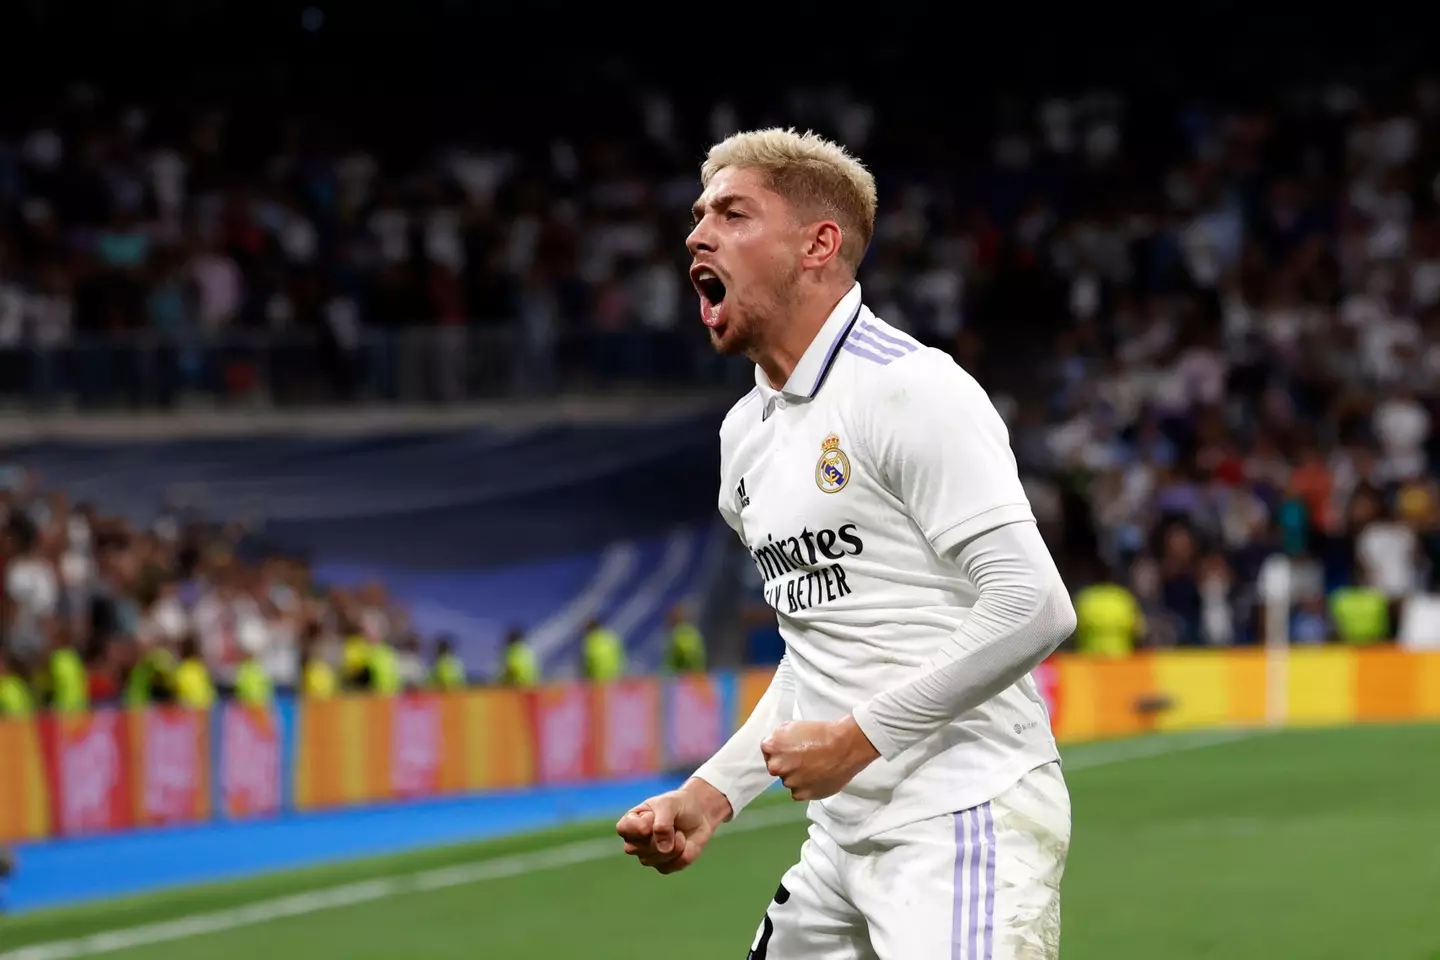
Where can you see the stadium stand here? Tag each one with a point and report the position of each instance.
(1210, 321)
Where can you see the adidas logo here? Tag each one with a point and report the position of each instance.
(740, 493)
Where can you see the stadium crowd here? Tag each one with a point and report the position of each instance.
(1215, 331)
(98, 609)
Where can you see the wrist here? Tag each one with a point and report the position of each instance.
(860, 749)
(714, 805)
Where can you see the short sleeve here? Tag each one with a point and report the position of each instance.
(942, 449)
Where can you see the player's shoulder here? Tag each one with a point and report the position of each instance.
(881, 355)
(735, 419)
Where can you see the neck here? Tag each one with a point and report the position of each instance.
(781, 354)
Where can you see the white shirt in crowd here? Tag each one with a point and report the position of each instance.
(1402, 426)
(219, 287)
(850, 486)
(1386, 551)
(168, 620)
(30, 581)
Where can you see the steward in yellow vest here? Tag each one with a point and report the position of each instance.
(603, 654)
(1108, 621)
(521, 666)
(194, 689)
(16, 701)
(685, 653)
(448, 671)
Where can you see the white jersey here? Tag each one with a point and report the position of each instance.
(848, 486)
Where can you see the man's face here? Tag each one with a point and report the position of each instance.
(746, 247)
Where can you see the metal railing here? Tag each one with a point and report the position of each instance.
(429, 365)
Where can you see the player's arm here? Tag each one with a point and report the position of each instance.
(944, 451)
(737, 770)
(669, 832)
(1022, 614)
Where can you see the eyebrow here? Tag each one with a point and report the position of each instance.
(720, 202)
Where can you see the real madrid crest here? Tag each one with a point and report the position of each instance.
(833, 470)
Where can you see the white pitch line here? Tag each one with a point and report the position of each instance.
(582, 851)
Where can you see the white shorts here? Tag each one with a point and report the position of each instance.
(981, 884)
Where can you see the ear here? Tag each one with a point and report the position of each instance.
(822, 244)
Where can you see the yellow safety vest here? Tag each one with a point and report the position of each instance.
(1107, 619)
(252, 685)
(687, 649)
(193, 688)
(604, 655)
(69, 685)
(16, 703)
(522, 669)
(318, 681)
(1361, 615)
(449, 673)
(384, 670)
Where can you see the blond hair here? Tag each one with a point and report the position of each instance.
(813, 174)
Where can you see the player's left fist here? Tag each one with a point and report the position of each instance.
(815, 759)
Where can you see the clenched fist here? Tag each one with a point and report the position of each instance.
(669, 831)
(815, 759)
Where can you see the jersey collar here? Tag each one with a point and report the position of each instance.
(814, 366)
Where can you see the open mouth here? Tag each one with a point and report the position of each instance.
(712, 288)
(712, 295)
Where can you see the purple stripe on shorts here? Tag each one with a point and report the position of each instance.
(989, 882)
(975, 856)
(957, 921)
(973, 938)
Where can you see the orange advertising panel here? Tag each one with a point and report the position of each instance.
(330, 753)
(24, 800)
(501, 741)
(1104, 698)
(114, 770)
(750, 686)
(1387, 685)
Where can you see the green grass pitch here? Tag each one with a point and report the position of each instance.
(1302, 845)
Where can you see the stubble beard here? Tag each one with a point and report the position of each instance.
(745, 333)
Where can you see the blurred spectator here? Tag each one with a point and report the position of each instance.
(16, 701)
(317, 676)
(252, 684)
(685, 645)
(372, 666)
(1109, 621)
(520, 668)
(1385, 548)
(602, 653)
(67, 680)
(194, 689)
(448, 671)
(1361, 615)
(410, 663)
